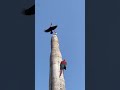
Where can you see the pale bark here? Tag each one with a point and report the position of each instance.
(55, 82)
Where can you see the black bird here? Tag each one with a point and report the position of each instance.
(29, 11)
(51, 28)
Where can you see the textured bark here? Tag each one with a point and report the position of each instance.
(55, 82)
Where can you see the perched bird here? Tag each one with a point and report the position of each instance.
(51, 28)
(29, 11)
(62, 66)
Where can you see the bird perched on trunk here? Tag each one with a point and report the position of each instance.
(51, 28)
(62, 66)
(29, 11)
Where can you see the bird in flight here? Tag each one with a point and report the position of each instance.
(51, 28)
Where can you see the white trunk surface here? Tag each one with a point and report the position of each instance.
(55, 82)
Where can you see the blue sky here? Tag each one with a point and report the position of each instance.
(69, 15)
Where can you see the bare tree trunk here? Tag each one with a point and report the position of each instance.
(56, 82)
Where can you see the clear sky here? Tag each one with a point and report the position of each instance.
(69, 15)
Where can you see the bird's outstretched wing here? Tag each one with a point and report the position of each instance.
(54, 27)
(29, 11)
(51, 28)
(48, 30)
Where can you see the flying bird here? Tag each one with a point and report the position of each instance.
(51, 28)
(29, 11)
